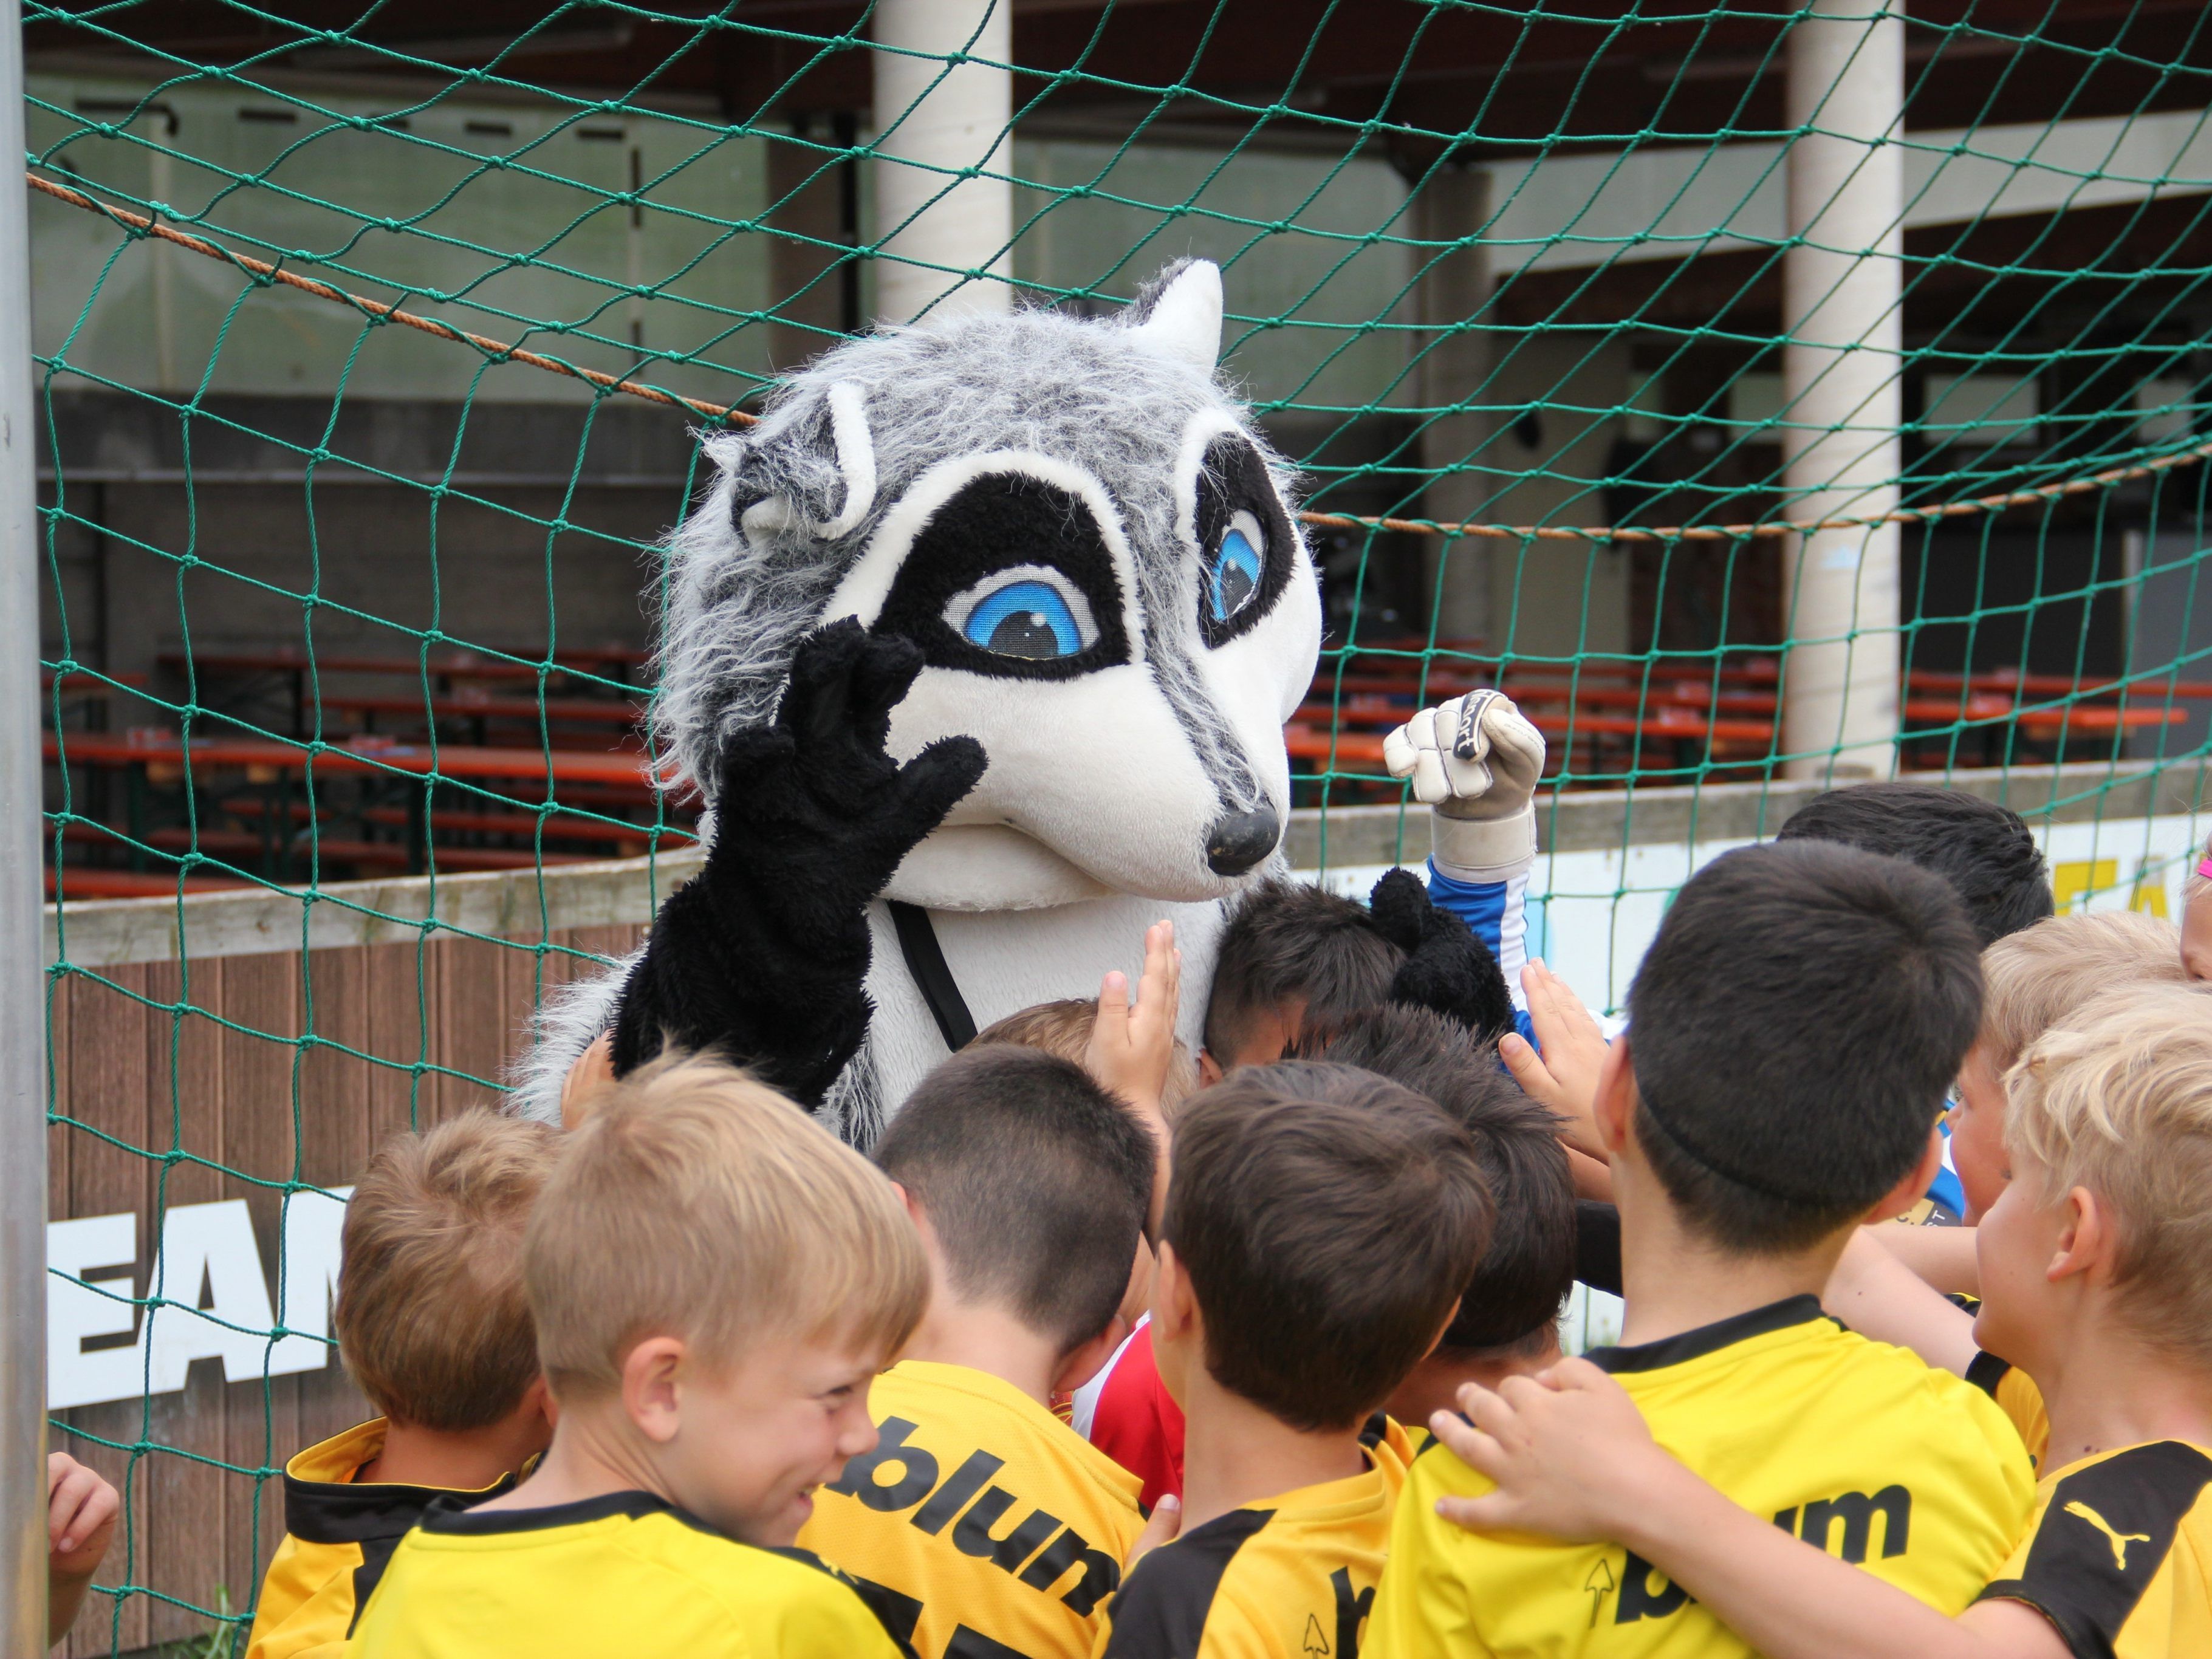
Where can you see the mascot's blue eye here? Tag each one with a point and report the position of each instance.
(1237, 568)
(1030, 611)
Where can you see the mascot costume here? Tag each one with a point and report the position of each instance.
(979, 650)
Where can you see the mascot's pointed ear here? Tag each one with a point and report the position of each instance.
(816, 473)
(1179, 315)
(856, 448)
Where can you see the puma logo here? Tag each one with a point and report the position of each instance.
(2120, 1540)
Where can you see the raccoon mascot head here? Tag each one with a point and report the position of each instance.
(1035, 568)
(1091, 544)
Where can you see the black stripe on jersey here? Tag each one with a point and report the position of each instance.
(969, 1644)
(376, 1556)
(2103, 1537)
(325, 1512)
(1986, 1371)
(1709, 1339)
(1160, 1612)
(897, 1614)
(448, 1516)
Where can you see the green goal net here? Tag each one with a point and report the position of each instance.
(1764, 395)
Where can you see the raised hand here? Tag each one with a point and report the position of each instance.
(1563, 1074)
(1475, 760)
(764, 954)
(1133, 1044)
(1132, 1049)
(816, 788)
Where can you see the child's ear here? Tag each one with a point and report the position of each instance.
(1174, 1308)
(1914, 1187)
(1437, 1341)
(2088, 1244)
(649, 1391)
(1616, 1102)
(537, 1401)
(1082, 1365)
(1209, 1069)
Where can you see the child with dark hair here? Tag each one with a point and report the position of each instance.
(1321, 1223)
(1792, 1031)
(1507, 1321)
(998, 1526)
(1983, 850)
(2093, 1257)
(1291, 953)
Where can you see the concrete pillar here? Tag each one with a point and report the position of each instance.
(1452, 202)
(1842, 315)
(932, 120)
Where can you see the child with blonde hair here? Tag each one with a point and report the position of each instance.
(2034, 979)
(715, 1281)
(2093, 1271)
(433, 1327)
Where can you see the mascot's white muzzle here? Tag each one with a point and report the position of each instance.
(1102, 779)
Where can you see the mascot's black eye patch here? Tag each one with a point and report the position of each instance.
(1012, 577)
(1244, 540)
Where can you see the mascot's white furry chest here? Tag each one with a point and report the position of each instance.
(1003, 962)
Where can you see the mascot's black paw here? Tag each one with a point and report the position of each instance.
(1446, 968)
(764, 954)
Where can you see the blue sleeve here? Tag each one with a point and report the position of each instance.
(1495, 912)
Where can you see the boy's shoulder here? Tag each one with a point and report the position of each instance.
(1788, 1382)
(979, 1516)
(1804, 1376)
(571, 1578)
(2018, 1397)
(338, 1534)
(1846, 1443)
(2121, 1541)
(928, 1412)
(1292, 1574)
(1169, 1598)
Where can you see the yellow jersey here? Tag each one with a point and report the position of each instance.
(997, 1526)
(628, 1573)
(2119, 1559)
(2017, 1397)
(1287, 1577)
(1910, 1473)
(338, 1534)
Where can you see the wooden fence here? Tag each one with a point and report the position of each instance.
(316, 1057)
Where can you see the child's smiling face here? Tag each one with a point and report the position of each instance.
(750, 1445)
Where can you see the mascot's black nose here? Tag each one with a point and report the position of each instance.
(1237, 841)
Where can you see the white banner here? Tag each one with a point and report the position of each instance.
(1591, 914)
(204, 1297)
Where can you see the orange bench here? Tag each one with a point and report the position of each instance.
(76, 881)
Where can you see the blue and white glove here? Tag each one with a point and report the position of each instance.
(1474, 759)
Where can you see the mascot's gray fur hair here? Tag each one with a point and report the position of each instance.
(1002, 615)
